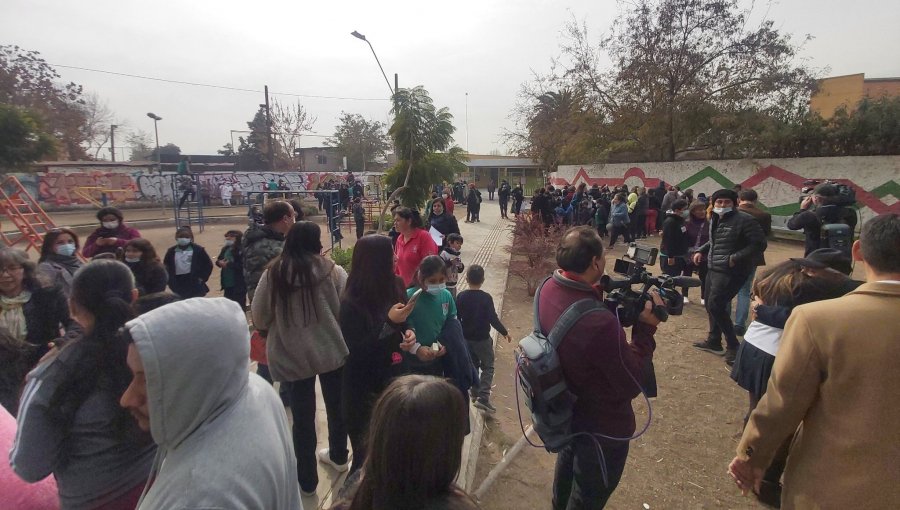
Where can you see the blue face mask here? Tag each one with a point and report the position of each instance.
(66, 250)
(183, 241)
(436, 289)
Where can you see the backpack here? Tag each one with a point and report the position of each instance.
(541, 377)
(835, 233)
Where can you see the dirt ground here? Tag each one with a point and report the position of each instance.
(680, 462)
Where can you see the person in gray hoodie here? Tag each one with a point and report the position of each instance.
(223, 436)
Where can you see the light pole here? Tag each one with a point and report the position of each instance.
(112, 141)
(162, 201)
(363, 38)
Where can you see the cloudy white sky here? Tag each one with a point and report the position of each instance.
(484, 48)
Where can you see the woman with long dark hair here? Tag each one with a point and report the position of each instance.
(697, 226)
(150, 275)
(373, 322)
(297, 303)
(70, 423)
(415, 448)
(442, 220)
(59, 258)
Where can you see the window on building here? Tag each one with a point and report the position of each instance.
(321, 159)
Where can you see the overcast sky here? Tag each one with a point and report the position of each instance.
(486, 48)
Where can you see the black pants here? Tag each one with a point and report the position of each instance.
(721, 288)
(303, 409)
(504, 207)
(490, 195)
(517, 207)
(578, 481)
(187, 193)
(672, 270)
(238, 295)
(619, 230)
(638, 225)
(360, 228)
(701, 274)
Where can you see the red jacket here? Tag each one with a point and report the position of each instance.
(591, 362)
(408, 254)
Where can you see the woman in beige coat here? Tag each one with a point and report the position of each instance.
(297, 303)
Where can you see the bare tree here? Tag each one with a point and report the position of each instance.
(289, 123)
(98, 116)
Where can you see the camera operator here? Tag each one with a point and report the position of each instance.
(819, 209)
(600, 367)
(736, 239)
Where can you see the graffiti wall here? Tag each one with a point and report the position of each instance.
(61, 187)
(778, 182)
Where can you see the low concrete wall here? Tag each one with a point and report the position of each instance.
(60, 187)
(876, 179)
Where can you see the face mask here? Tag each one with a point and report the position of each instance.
(132, 260)
(112, 225)
(229, 242)
(183, 241)
(685, 214)
(436, 289)
(721, 211)
(66, 250)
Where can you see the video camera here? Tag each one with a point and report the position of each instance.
(628, 303)
(846, 196)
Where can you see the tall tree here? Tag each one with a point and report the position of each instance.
(359, 140)
(98, 117)
(140, 145)
(22, 138)
(419, 130)
(26, 80)
(253, 149)
(289, 123)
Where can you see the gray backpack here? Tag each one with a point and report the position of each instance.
(541, 377)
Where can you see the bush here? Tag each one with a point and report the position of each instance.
(310, 210)
(388, 222)
(342, 257)
(533, 250)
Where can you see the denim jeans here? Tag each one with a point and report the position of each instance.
(578, 481)
(742, 312)
(303, 410)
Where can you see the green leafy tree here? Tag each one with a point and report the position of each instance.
(169, 149)
(253, 150)
(22, 138)
(28, 81)
(359, 140)
(419, 130)
(432, 169)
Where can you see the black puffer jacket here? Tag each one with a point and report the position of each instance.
(735, 238)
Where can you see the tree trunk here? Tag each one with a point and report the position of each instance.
(395, 193)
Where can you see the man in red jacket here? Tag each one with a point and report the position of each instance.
(601, 368)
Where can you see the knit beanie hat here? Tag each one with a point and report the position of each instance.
(724, 193)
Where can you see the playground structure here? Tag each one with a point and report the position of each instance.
(97, 195)
(186, 190)
(20, 208)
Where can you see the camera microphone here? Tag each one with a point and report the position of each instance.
(685, 281)
(608, 284)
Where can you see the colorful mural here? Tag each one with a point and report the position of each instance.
(778, 182)
(82, 187)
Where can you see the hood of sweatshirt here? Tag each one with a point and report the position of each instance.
(196, 361)
(257, 233)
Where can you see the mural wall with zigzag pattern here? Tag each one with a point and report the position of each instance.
(778, 182)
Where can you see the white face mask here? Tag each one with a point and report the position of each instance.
(721, 211)
(183, 241)
(229, 242)
(436, 289)
(66, 250)
(132, 260)
(112, 225)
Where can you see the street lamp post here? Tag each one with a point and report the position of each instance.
(363, 38)
(156, 118)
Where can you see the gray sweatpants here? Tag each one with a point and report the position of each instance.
(482, 352)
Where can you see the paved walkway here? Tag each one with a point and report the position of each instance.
(483, 244)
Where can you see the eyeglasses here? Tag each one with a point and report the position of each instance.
(11, 269)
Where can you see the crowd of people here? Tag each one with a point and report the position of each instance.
(134, 396)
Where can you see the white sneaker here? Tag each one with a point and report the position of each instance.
(325, 458)
(702, 301)
(686, 300)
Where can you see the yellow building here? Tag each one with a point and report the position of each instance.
(848, 90)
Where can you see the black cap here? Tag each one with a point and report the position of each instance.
(826, 257)
(825, 190)
(725, 193)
